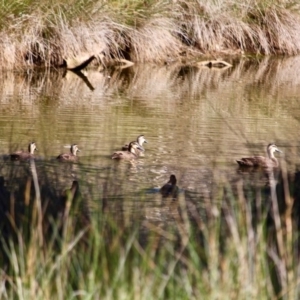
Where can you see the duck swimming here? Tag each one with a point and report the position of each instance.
(261, 161)
(170, 188)
(72, 156)
(140, 140)
(131, 153)
(24, 155)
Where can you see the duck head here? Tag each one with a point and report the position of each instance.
(141, 140)
(32, 147)
(271, 149)
(133, 146)
(74, 149)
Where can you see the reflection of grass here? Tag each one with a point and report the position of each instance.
(236, 246)
(44, 33)
(57, 110)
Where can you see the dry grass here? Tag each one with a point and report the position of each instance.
(253, 26)
(154, 41)
(39, 33)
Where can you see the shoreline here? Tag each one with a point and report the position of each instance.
(163, 32)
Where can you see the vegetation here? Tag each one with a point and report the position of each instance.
(40, 33)
(241, 243)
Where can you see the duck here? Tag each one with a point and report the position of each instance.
(71, 201)
(58, 208)
(131, 153)
(170, 188)
(261, 161)
(71, 193)
(72, 156)
(140, 140)
(24, 155)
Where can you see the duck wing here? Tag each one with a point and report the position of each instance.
(20, 155)
(66, 156)
(253, 161)
(118, 155)
(125, 147)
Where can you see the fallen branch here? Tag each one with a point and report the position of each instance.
(213, 63)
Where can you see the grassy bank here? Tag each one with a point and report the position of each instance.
(39, 33)
(240, 244)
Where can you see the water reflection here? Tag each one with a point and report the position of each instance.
(197, 121)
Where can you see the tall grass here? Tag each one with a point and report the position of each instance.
(239, 244)
(43, 33)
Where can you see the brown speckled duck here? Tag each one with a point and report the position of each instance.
(170, 188)
(140, 140)
(24, 155)
(72, 156)
(131, 153)
(69, 194)
(261, 161)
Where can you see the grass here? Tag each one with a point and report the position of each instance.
(236, 245)
(38, 33)
(240, 244)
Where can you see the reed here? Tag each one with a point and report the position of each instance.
(239, 243)
(39, 33)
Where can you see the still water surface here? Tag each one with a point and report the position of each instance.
(197, 123)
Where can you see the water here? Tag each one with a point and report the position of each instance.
(197, 123)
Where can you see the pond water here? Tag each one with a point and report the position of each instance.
(197, 122)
